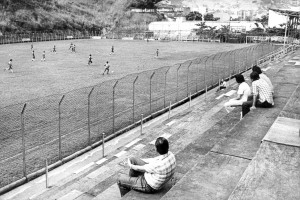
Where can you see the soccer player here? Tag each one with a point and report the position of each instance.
(44, 56)
(106, 67)
(31, 46)
(112, 50)
(10, 68)
(90, 60)
(54, 49)
(33, 56)
(71, 46)
(157, 51)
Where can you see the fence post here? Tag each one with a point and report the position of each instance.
(190, 99)
(23, 139)
(205, 92)
(219, 67)
(230, 72)
(205, 70)
(89, 116)
(198, 76)
(151, 91)
(46, 169)
(165, 87)
(246, 59)
(59, 127)
(142, 119)
(177, 83)
(113, 107)
(234, 61)
(212, 69)
(187, 82)
(103, 153)
(169, 110)
(133, 98)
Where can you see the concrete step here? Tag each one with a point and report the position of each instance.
(273, 174)
(213, 177)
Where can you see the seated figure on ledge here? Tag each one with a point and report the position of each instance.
(149, 175)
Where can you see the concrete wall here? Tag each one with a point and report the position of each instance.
(190, 25)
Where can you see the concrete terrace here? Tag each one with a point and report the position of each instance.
(218, 155)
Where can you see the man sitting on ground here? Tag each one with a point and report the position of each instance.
(262, 95)
(243, 93)
(223, 85)
(257, 69)
(149, 175)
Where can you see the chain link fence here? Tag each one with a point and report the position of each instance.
(57, 126)
(39, 37)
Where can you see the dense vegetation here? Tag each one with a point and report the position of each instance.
(76, 15)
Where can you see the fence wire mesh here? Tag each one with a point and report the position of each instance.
(57, 126)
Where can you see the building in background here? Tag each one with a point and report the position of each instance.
(184, 28)
(276, 19)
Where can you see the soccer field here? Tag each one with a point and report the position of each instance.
(66, 71)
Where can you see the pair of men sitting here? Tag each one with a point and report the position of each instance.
(262, 92)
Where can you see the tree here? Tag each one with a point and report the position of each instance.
(202, 27)
(275, 31)
(193, 16)
(225, 29)
(142, 4)
(210, 17)
(212, 31)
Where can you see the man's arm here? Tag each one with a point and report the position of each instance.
(136, 167)
(255, 93)
(238, 97)
(148, 160)
(254, 101)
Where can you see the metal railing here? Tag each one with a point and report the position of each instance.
(57, 126)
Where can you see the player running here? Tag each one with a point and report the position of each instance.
(112, 50)
(90, 59)
(10, 67)
(31, 46)
(106, 67)
(44, 56)
(157, 51)
(71, 46)
(33, 56)
(54, 49)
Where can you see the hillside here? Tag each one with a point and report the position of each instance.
(19, 16)
(50, 15)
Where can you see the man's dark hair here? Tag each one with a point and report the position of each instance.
(254, 76)
(239, 78)
(162, 145)
(257, 69)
